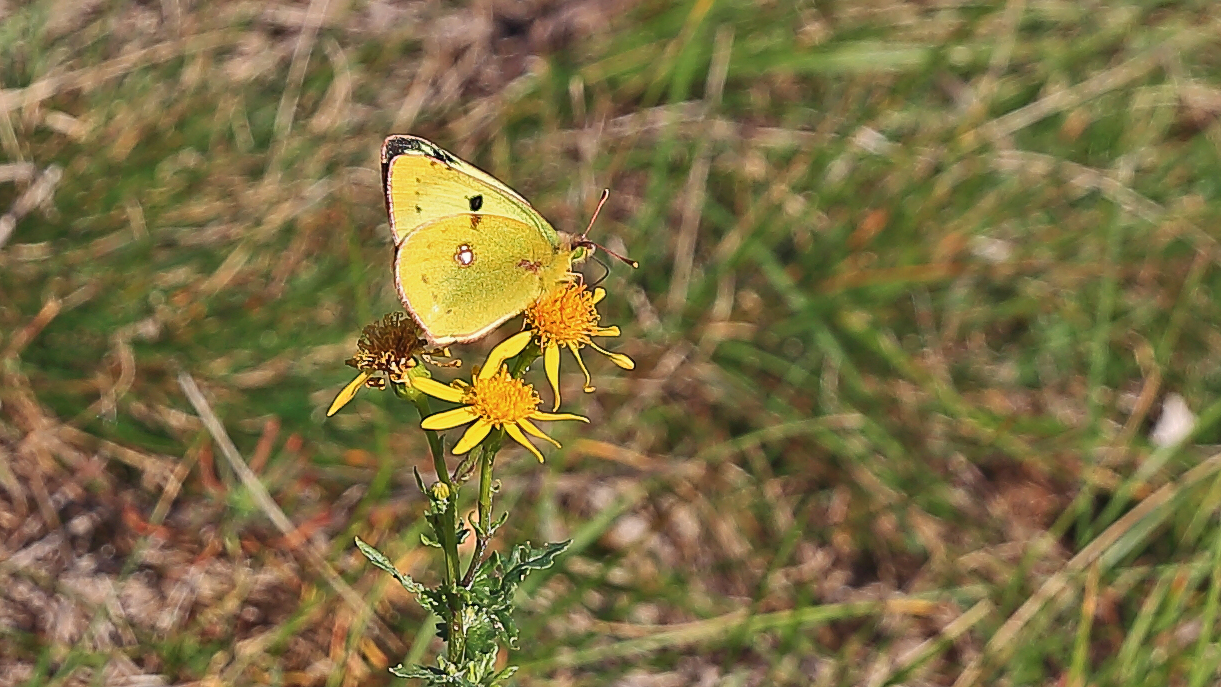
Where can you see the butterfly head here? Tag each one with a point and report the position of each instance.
(582, 248)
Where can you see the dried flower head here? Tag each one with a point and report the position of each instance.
(389, 349)
(567, 316)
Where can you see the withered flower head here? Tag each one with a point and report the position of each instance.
(389, 349)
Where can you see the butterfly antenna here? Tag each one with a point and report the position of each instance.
(582, 241)
(601, 202)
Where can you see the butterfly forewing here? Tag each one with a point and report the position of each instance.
(424, 183)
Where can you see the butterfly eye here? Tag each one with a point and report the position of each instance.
(464, 255)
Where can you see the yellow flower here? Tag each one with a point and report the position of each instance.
(492, 400)
(566, 316)
(388, 349)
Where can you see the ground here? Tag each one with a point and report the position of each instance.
(925, 331)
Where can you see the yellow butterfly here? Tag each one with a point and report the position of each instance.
(470, 252)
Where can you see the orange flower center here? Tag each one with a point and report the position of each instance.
(501, 399)
(565, 315)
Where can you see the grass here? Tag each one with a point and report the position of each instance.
(915, 280)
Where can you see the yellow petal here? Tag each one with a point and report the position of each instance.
(504, 350)
(607, 331)
(521, 439)
(449, 419)
(531, 428)
(616, 358)
(434, 388)
(473, 436)
(540, 415)
(599, 294)
(576, 353)
(349, 393)
(551, 364)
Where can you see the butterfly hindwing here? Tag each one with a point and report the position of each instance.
(463, 275)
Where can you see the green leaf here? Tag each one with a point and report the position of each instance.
(502, 675)
(491, 532)
(379, 559)
(497, 523)
(433, 677)
(487, 612)
(417, 672)
(479, 669)
(525, 558)
(428, 540)
(506, 626)
(433, 600)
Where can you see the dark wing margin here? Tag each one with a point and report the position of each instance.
(401, 144)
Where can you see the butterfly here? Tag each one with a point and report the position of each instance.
(470, 252)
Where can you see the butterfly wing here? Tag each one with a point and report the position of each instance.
(424, 183)
(462, 276)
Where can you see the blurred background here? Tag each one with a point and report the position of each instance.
(924, 324)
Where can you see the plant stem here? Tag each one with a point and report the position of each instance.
(447, 532)
(447, 527)
(524, 359)
(486, 458)
(450, 536)
(434, 440)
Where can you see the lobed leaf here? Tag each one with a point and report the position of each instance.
(379, 559)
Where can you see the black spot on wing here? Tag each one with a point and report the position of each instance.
(418, 209)
(476, 203)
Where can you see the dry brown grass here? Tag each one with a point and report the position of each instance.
(916, 278)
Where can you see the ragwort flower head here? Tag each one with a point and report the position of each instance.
(567, 317)
(493, 400)
(389, 349)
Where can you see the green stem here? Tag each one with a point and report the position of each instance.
(524, 359)
(437, 447)
(447, 532)
(434, 440)
(485, 489)
(487, 458)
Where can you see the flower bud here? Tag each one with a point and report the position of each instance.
(440, 491)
